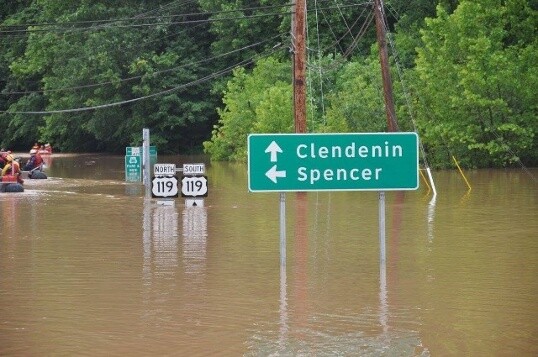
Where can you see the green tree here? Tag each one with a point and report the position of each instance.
(77, 57)
(256, 102)
(356, 104)
(476, 83)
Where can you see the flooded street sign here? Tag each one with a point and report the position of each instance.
(332, 162)
(133, 162)
(194, 186)
(133, 168)
(194, 202)
(133, 151)
(165, 183)
(193, 169)
(164, 186)
(137, 151)
(164, 169)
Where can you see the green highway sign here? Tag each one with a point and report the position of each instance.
(333, 162)
(133, 168)
(133, 162)
(137, 151)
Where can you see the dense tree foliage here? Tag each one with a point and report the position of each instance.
(468, 89)
(476, 83)
(68, 57)
(89, 75)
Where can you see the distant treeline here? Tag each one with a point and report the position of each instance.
(202, 74)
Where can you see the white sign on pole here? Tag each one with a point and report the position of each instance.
(194, 202)
(193, 169)
(164, 169)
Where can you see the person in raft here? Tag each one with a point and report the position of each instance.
(35, 161)
(2, 161)
(11, 167)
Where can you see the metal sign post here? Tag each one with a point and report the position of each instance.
(382, 249)
(146, 162)
(282, 229)
(333, 162)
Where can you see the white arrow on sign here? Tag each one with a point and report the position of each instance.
(273, 148)
(273, 174)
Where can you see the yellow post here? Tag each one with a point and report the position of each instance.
(425, 181)
(461, 172)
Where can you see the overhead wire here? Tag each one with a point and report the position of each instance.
(319, 56)
(319, 51)
(321, 69)
(121, 102)
(138, 17)
(349, 50)
(173, 89)
(53, 27)
(205, 60)
(402, 82)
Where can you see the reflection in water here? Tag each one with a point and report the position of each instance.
(165, 237)
(47, 160)
(134, 189)
(304, 330)
(282, 223)
(383, 303)
(283, 311)
(161, 239)
(431, 217)
(9, 215)
(160, 227)
(195, 239)
(301, 263)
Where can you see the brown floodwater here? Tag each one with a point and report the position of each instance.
(89, 267)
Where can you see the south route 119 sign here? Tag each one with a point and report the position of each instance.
(333, 162)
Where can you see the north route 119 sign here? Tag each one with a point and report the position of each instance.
(333, 162)
(164, 184)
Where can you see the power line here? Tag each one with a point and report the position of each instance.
(198, 81)
(205, 60)
(57, 29)
(106, 21)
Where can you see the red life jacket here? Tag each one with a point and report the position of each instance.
(38, 160)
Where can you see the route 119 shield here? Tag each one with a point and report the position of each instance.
(194, 186)
(164, 186)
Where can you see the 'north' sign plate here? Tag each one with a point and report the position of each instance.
(333, 162)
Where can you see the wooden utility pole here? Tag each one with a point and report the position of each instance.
(392, 124)
(299, 66)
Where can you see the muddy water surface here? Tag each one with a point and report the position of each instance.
(90, 267)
